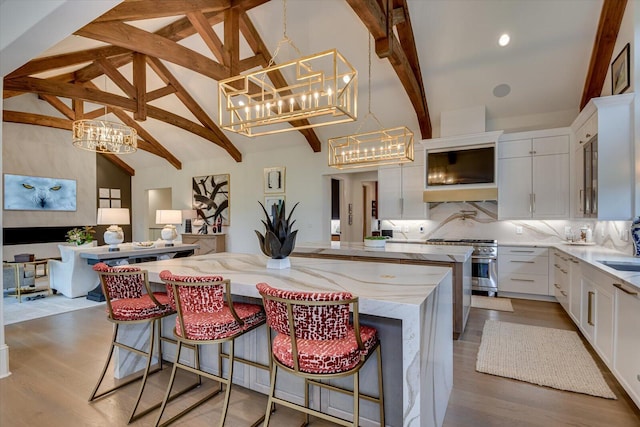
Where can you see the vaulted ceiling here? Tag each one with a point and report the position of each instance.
(155, 68)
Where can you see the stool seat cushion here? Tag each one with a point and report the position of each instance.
(205, 326)
(141, 308)
(326, 356)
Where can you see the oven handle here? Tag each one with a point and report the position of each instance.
(483, 260)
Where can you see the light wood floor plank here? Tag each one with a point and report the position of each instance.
(56, 360)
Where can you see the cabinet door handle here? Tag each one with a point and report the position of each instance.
(564, 271)
(619, 286)
(522, 280)
(523, 262)
(588, 135)
(564, 294)
(580, 196)
(534, 203)
(556, 285)
(590, 296)
(521, 251)
(574, 261)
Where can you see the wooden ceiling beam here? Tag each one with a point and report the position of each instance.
(160, 92)
(210, 38)
(191, 104)
(140, 85)
(49, 63)
(232, 41)
(149, 9)
(36, 119)
(117, 77)
(57, 103)
(130, 37)
(379, 22)
(606, 36)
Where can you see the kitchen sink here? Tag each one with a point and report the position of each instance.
(622, 265)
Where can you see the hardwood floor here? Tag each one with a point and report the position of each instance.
(55, 362)
(485, 400)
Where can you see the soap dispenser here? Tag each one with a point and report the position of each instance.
(589, 235)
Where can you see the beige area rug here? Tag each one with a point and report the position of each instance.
(491, 303)
(549, 357)
(15, 312)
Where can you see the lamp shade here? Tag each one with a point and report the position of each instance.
(113, 216)
(168, 217)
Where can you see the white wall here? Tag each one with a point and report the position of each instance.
(307, 181)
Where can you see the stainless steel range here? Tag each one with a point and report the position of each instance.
(484, 271)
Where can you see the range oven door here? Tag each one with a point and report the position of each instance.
(484, 274)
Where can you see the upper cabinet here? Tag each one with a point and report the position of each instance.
(533, 180)
(400, 190)
(603, 162)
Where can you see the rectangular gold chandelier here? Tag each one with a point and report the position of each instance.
(324, 88)
(381, 147)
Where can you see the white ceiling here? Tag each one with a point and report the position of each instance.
(545, 66)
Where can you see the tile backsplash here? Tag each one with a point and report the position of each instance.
(478, 220)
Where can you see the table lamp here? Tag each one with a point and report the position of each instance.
(114, 217)
(171, 218)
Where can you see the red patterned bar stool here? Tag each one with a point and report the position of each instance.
(208, 315)
(316, 341)
(127, 304)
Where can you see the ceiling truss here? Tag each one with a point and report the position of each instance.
(146, 51)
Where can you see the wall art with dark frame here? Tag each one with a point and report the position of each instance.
(211, 197)
(36, 193)
(620, 70)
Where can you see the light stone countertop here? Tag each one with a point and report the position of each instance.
(408, 251)
(593, 254)
(381, 287)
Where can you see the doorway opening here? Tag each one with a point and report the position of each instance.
(157, 199)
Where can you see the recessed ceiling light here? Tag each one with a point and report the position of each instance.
(501, 90)
(504, 40)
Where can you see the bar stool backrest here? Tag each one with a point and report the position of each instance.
(121, 282)
(206, 297)
(316, 315)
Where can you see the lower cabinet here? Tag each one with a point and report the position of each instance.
(597, 311)
(523, 270)
(575, 290)
(626, 364)
(561, 282)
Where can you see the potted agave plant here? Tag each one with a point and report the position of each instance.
(279, 239)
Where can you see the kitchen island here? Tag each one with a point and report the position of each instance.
(458, 258)
(410, 305)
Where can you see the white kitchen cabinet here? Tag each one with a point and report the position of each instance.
(626, 363)
(597, 315)
(534, 175)
(609, 123)
(575, 290)
(523, 270)
(561, 278)
(400, 190)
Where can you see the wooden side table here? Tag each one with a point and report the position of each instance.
(209, 243)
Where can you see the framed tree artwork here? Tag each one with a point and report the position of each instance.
(211, 202)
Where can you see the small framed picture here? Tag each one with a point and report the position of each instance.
(620, 69)
(104, 193)
(271, 201)
(115, 193)
(274, 180)
(115, 203)
(104, 203)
